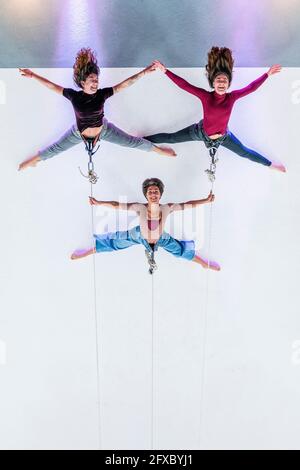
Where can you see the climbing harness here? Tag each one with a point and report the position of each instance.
(151, 261)
(212, 146)
(90, 144)
(211, 171)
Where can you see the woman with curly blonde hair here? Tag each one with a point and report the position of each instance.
(217, 107)
(88, 104)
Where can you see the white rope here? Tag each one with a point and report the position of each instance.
(96, 332)
(204, 342)
(152, 366)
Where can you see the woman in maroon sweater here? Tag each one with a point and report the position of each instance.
(217, 107)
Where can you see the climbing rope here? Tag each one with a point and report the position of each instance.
(149, 252)
(212, 146)
(99, 420)
(152, 368)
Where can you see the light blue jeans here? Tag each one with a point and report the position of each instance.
(108, 132)
(115, 241)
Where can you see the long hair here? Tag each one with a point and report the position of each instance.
(219, 60)
(153, 182)
(85, 64)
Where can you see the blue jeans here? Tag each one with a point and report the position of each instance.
(114, 241)
(195, 132)
(108, 132)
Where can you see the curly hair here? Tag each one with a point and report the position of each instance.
(220, 61)
(85, 64)
(153, 182)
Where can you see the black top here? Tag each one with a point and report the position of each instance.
(88, 108)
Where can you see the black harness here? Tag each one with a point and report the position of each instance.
(90, 144)
(150, 258)
(212, 145)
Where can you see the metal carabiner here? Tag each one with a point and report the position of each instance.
(92, 175)
(151, 261)
(211, 172)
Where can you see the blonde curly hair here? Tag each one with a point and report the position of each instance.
(219, 61)
(85, 64)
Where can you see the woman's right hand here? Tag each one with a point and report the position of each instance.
(26, 73)
(93, 201)
(160, 66)
(210, 197)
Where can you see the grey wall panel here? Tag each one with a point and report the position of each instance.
(130, 33)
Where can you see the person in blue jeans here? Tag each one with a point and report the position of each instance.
(150, 232)
(217, 107)
(88, 104)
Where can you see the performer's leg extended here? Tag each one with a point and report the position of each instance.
(113, 134)
(205, 263)
(187, 134)
(112, 241)
(232, 143)
(69, 139)
(185, 249)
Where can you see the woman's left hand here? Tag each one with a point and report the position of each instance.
(274, 69)
(150, 68)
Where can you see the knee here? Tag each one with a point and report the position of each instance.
(49, 152)
(140, 142)
(135, 141)
(244, 153)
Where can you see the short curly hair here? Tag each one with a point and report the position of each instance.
(85, 64)
(153, 182)
(219, 61)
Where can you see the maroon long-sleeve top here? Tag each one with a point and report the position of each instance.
(216, 108)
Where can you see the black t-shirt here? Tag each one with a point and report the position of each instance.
(88, 108)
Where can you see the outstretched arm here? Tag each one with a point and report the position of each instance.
(130, 206)
(256, 84)
(199, 92)
(52, 86)
(131, 80)
(194, 203)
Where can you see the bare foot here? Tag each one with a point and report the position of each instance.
(211, 265)
(168, 151)
(82, 253)
(278, 167)
(33, 161)
(206, 264)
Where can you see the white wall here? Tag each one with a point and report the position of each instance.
(48, 392)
